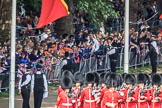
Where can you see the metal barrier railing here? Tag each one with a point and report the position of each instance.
(117, 24)
(93, 64)
(102, 63)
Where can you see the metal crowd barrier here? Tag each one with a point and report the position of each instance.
(102, 63)
(117, 24)
(93, 64)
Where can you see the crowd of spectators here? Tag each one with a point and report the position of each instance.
(81, 45)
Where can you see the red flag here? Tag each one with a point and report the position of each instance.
(51, 11)
(160, 17)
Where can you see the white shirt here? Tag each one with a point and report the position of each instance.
(144, 27)
(2, 56)
(154, 44)
(95, 45)
(64, 62)
(44, 36)
(28, 79)
(44, 79)
(111, 51)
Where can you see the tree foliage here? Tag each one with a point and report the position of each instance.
(5, 19)
(32, 7)
(98, 10)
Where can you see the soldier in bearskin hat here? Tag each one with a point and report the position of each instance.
(87, 97)
(64, 99)
(97, 80)
(65, 73)
(160, 91)
(102, 81)
(143, 93)
(121, 89)
(123, 84)
(156, 96)
(96, 91)
(103, 88)
(111, 97)
(76, 90)
(130, 93)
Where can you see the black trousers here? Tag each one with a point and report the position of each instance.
(38, 96)
(113, 63)
(26, 96)
(153, 59)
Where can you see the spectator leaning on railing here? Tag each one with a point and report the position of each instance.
(81, 45)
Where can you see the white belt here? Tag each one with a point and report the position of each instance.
(142, 101)
(66, 104)
(90, 101)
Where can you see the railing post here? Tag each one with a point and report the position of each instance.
(90, 63)
(126, 38)
(121, 58)
(136, 61)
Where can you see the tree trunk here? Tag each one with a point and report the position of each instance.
(65, 24)
(5, 19)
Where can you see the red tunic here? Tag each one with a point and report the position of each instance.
(59, 90)
(111, 98)
(97, 96)
(76, 95)
(133, 102)
(153, 97)
(87, 98)
(121, 102)
(102, 96)
(150, 91)
(102, 93)
(143, 103)
(64, 101)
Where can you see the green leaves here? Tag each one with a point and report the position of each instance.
(31, 6)
(98, 10)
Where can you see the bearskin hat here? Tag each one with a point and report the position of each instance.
(161, 78)
(67, 73)
(78, 77)
(90, 78)
(120, 80)
(111, 81)
(141, 78)
(123, 76)
(156, 79)
(148, 80)
(129, 79)
(97, 78)
(134, 76)
(102, 75)
(106, 76)
(66, 83)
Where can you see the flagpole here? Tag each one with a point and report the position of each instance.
(126, 39)
(12, 70)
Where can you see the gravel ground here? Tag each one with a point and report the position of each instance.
(47, 103)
